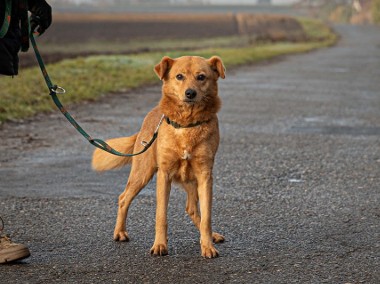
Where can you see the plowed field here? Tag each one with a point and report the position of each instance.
(73, 34)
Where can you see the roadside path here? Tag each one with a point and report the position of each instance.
(297, 182)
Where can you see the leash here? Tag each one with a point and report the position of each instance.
(55, 90)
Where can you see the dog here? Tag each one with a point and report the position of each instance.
(184, 151)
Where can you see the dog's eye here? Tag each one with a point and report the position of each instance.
(179, 77)
(201, 77)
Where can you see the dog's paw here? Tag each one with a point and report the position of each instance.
(121, 236)
(217, 238)
(159, 250)
(209, 252)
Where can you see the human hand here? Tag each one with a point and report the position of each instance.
(41, 17)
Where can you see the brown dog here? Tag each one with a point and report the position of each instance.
(184, 151)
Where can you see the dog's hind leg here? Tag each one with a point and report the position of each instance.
(137, 180)
(193, 211)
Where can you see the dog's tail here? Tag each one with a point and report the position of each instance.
(104, 161)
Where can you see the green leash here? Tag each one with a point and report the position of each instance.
(55, 90)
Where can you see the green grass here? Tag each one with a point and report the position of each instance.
(375, 7)
(143, 44)
(91, 77)
(317, 30)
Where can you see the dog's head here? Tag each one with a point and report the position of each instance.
(190, 79)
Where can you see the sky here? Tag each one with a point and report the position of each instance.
(278, 2)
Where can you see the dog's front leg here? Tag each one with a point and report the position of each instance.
(160, 246)
(205, 201)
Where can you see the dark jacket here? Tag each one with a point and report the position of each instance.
(11, 43)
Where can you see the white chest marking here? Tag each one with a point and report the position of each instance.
(186, 155)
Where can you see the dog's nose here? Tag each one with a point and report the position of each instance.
(190, 93)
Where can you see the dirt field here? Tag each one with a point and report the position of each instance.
(70, 30)
(126, 27)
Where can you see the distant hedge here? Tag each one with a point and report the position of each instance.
(376, 11)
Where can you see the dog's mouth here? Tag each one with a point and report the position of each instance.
(189, 101)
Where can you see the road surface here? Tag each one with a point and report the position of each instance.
(296, 182)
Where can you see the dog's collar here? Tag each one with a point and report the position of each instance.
(177, 125)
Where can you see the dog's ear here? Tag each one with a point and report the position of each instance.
(163, 67)
(216, 64)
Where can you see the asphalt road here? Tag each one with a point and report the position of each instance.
(296, 194)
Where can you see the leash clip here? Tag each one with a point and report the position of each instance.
(58, 90)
